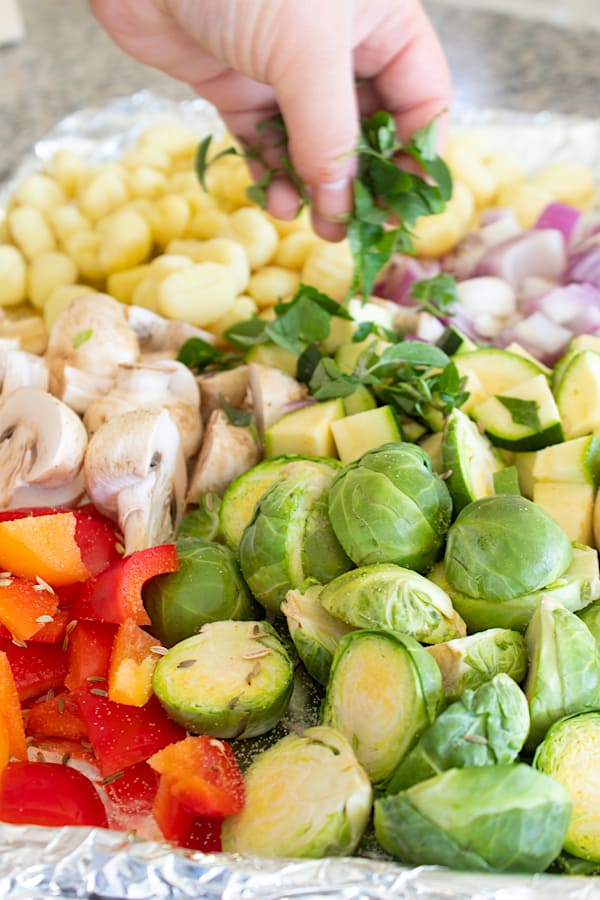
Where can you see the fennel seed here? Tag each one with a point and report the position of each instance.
(254, 671)
(160, 651)
(99, 692)
(43, 620)
(256, 654)
(41, 585)
(475, 738)
(5, 582)
(233, 702)
(61, 704)
(18, 643)
(186, 663)
(112, 777)
(95, 678)
(65, 759)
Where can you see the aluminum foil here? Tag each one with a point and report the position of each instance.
(39, 863)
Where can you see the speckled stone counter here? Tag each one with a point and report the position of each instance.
(66, 62)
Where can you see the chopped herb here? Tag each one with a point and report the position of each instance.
(201, 356)
(522, 412)
(241, 418)
(435, 295)
(81, 337)
(203, 162)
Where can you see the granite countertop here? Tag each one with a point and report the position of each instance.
(66, 62)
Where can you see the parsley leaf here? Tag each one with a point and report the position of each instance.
(81, 337)
(241, 418)
(202, 161)
(522, 412)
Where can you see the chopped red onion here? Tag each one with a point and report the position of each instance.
(400, 275)
(540, 253)
(541, 336)
(584, 262)
(293, 405)
(569, 302)
(561, 217)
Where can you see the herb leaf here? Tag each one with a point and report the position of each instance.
(522, 412)
(81, 337)
(435, 295)
(202, 161)
(239, 417)
(199, 355)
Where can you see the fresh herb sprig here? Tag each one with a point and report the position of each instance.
(436, 295)
(384, 192)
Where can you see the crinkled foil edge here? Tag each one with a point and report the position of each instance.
(39, 863)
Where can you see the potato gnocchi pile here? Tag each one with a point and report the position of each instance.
(143, 230)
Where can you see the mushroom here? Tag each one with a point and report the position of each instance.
(230, 386)
(24, 369)
(157, 334)
(91, 334)
(227, 451)
(271, 391)
(80, 388)
(165, 383)
(42, 446)
(135, 474)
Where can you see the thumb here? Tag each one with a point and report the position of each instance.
(320, 108)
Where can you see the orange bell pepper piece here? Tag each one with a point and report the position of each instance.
(44, 547)
(132, 664)
(25, 606)
(57, 717)
(11, 711)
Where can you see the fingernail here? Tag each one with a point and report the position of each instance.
(332, 200)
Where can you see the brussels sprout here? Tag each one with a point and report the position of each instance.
(271, 550)
(314, 632)
(207, 587)
(393, 598)
(322, 555)
(501, 547)
(306, 796)
(591, 615)
(564, 667)
(242, 495)
(570, 753)
(203, 521)
(389, 506)
(577, 587)
(486, 727)
(471, 661)
(383, 691)
(489, 818)
(232, 680)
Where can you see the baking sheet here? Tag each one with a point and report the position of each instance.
(41, 863)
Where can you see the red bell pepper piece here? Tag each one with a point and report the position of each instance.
(203, 774)
(116, 593)
(124, 735)
(95, 536)
(56, 717)
(89, 648)
(131, 796)
(10, 708)
(40, 793)
(36, 668)
(204, 836)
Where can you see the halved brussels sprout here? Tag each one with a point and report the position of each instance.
(390, 597)
(577, 587)
(232, 680)
(323, 556)
(207, 587)
(383, 691)
(486, 727)
(242, 495)
(570, 753)
(564, 668)
(489, 818)
(306, 796)
(389, 506)
(501, 547)
(314, 632)
(203, 521)
(471, 661)
(272, 557)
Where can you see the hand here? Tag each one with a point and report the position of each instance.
(303, 58)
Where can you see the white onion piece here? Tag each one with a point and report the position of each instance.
(486, 295)
(531, 289)
(429, 328)
(493, 214)
(488, 326)
(540, 253)
(566, 303)
(501, 230)
(561, 217)
(463, 260)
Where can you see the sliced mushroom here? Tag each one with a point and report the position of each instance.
(165, 383)
(135, 473)
(91, 334)
(80, 388)
(231, 386)
(42, 445)
(227, 451)
(271, 392)
(155, 333)
(24, 369)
